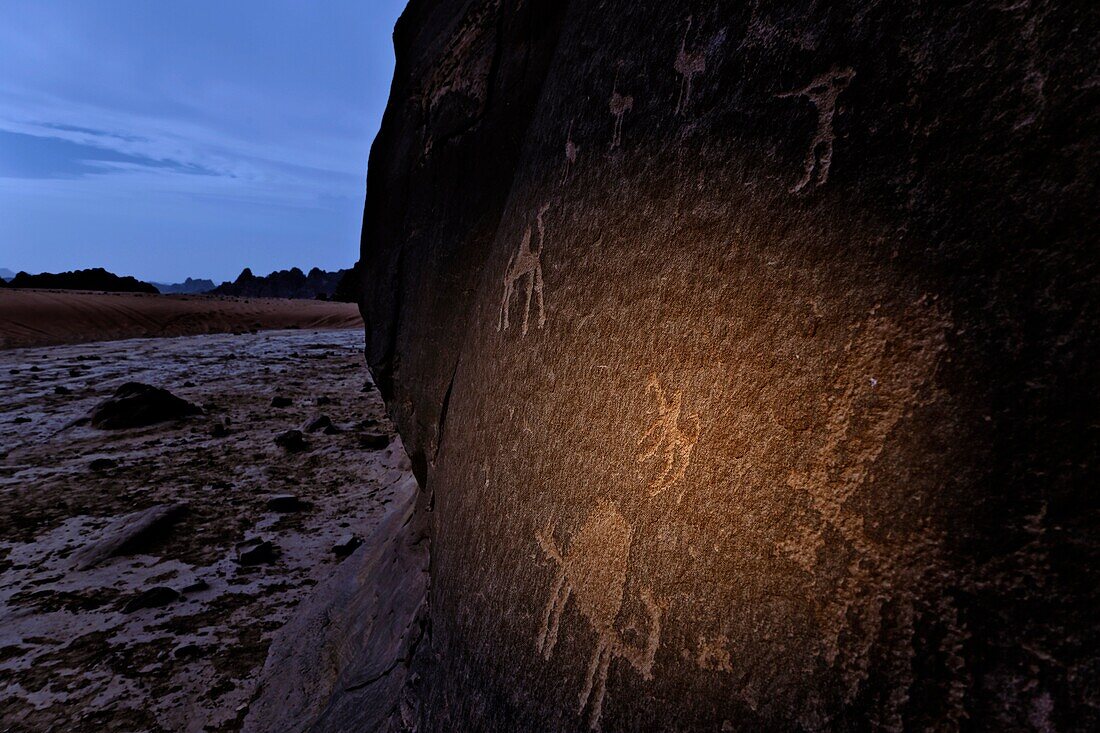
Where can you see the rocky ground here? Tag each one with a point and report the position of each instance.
(167, 632)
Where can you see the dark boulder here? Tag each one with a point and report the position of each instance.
(292, 441)
(374, 441)
(155, 597)
(258, 552)
(285, 503)
(197, 587)
(281, 401)
(136, 405)
(346, 545)
(319, 422)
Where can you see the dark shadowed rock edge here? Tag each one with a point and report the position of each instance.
(341, 662)
(745, 355)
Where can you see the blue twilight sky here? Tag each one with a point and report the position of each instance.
(174, 138)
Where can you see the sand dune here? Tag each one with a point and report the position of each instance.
(47, 317)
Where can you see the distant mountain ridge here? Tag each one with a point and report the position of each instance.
(95, 278)
(292, 283)
(190, 286)
(6, 274)
(341, 285)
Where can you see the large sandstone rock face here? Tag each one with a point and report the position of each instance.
(745, 356)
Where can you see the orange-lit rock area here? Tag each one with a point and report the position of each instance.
(744, 353)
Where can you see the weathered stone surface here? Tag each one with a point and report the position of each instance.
(128, 533)
(745, 354)
(341, 663)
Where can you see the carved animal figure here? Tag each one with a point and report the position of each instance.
(525, 263)
(619, 106)
(667, 440)
(571, 151)
(593, 571)
(822, 93)
(687, 66)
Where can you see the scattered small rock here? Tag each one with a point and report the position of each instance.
(374, 441)
(292, 441)
(20, 420)
(257, 554)
(280, 401)
(155, 597)
(102, 464)
(188, 383)
(332, 430)
(286, 503)
(135, 405)
(197, 586)
(219, 430)
(62, 390)
(323, 400)
(346, 545)
(368, 386)
(185, 651)
(320, 422)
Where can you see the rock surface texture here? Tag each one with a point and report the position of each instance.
(745, 355)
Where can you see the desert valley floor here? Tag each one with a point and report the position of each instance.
(171, 634)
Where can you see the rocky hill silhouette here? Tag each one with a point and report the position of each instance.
(292, 283)
(95, 278)
(187, 287)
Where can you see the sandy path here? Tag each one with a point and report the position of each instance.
(70, 658)
(47, 317)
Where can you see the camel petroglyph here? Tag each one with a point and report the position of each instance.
(526, 262)
(593, 570)
(687, 65)
(667, 440)
(822, 93)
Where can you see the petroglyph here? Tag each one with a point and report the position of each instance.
(571, 151)
(666, 440)
(862, 419)
(526, 262)
(593, 571)
(822, 93)
(619, 106)
(687, 65)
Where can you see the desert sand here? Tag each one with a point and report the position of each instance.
(45, 317)
(171, 633)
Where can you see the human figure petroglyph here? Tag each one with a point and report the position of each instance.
(571, 151)
(822, 93)
(665, 439)
(862, 420)
(619, 106)
(593, 570)
(525, 263)
(687, 65)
